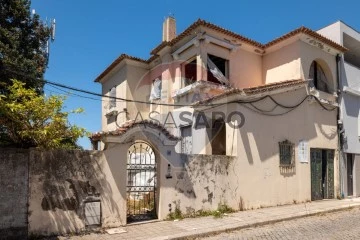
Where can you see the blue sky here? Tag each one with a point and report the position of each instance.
(90, 34)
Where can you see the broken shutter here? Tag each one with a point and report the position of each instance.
(215, 71)
(156, 89)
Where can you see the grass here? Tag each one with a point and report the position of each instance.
(218, 213)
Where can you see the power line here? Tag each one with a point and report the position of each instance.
(74, 94)
(55, 85)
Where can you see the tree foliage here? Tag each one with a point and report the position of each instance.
(29, 119)
(23, 43)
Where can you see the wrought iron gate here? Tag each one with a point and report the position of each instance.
(141, 183)
(322, 173)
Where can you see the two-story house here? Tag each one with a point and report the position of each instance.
(349, 119)
(227, 119)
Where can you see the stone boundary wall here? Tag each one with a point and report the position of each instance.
(13, 193)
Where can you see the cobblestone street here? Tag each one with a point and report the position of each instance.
(315, 220)
(337, 225)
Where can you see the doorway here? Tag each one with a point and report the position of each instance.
(350, 168)
(141, 187)
(322, 173)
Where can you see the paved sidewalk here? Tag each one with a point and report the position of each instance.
(203, 226)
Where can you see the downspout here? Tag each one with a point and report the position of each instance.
(339, 125)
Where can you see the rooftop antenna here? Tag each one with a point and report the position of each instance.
(52, 29)
(51, 37)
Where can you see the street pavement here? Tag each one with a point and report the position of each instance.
(337, 225)
(208, 226)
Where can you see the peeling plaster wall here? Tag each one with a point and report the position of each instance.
(255, 176)
(203, 183)
(61, 181)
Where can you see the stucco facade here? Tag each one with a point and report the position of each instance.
(276, 94)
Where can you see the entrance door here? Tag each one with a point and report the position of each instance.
(350, 167)
(316, 174)
(141, 183)
(322, 173)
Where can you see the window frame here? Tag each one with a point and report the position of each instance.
(290, 155)
(183, 71)
(112, 101)
(153, 86)
(183, 143)
(315, 69)
(218, 133)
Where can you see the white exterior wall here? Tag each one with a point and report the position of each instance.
(350, 78)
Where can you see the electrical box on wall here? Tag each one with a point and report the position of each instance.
(92, 213)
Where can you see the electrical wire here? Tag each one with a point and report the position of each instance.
(56, 85)
(268, 114)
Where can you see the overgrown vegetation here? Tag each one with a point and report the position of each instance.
(29, 119)
(218, 213)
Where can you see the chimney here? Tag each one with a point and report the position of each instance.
(169, 29)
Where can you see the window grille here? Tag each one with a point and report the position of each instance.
(287, 153)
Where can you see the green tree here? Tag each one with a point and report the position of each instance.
(29, 119)
(23, 43)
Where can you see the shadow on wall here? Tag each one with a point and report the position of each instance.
(262, 142)
(61, 182)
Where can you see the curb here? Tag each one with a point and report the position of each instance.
(258, 224)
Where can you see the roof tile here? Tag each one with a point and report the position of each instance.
(131, 124)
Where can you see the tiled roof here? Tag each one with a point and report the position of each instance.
(131, 124)
(309, 32)
(204, 23)
(118, 60)
(201, 22)
(217, 28)
(253, 90)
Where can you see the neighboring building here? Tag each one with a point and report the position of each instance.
(282, 96)
(349, 72)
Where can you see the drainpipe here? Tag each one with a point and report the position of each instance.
(339, 125)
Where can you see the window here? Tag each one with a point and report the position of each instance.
(218, 138)
(190, 72)
(286, 152)
(156, 89)
(352, 55)
(319, 80)
(186, 139)
(112, 94)
(217, 69)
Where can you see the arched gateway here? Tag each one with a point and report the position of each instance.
(141, 183)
